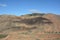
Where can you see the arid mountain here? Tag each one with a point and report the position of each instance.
(35, 26)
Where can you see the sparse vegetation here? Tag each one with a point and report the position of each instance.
(3, 35)
(34, 14)
(57, 39)
(37, 39)
(39, 27)
(52, 32)
(41, 14)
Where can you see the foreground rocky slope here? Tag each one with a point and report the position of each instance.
(34, 26)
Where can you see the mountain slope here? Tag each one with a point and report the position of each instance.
(34, 26)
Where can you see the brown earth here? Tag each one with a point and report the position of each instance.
(30, 27)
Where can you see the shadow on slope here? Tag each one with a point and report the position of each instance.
(38, 20)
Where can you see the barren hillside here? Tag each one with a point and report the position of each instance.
(35, 26)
